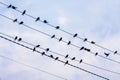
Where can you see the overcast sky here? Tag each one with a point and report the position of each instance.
(97, 20)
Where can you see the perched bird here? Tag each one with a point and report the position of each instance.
(75, 35)
(88, 50)
(56, 58)
(66, 56)
(15, 20)
(81, 61)
(9, 6)
(57, 27)
(60, 39)
(15, 38)
(96, 53)
(20, 39)
(37, 45)
(73, 58)
(106, 54)
(34, 49)
(66, 62)
(45, 21)
(37, 19)
(115, 52)
(13, 7)
(47, 49)
(92, 42)
(23, 12)
(52, 36)
(82, 48)
(43, 53)
(69, 43)
(51, 56)
(85, 39)
(21, 22)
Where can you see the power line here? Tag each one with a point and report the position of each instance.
(54, 58)
(115, 52)
(58, 39)
(63, 55)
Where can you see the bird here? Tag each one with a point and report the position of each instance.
(75, 35)
(47, 49)
(56, 58)
(51, 56)
(15, 38)
(85, 39)
(23, 12)
(21, 22)
(57, 27)
(66, 62)
(13, 7)
(107, 54)
(88, 50)
(82, 48)
(20, 39)
(52, 36)
(15, 20)
(60, 39)
(69, 43)
(66, 56)
(38, 18)
(34, 49)
(45, 21)
(96, 53)
(9, 6)
(115, 52)
(81, 61)
(43, 53)
(92, 42)
(73, 58)
(37, 45)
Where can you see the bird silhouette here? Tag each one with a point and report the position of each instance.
(43, 53)
(69, 43)
(75, 35)
(85, 39)
(37, 19)
(66, 56)
(15, 20)
(45, 21)
(13, 7)
(20, 39)
(52, 36)
(96, 53)
(66, 62)
(82, 48)
(60, 39)
(81, 61)
(51, 56)
(34, 49)
(92, 42)
(56, 58)
(9, 6)
(23, 12)
(37, 45)
(87, 49)
(47, 49)
(115, 52)
(73, 58)
(21, 22)
(106, 54)
(15, 38)
(57, 27)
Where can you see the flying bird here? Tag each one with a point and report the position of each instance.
(85, 39)
(52, 36)
(15, 20)
(106, 54)
(21, 22)
(37, 19)
(92, 42)
(60, 39)
(47, 49)
(69, 43)
(96, 53)
(37, 45)
(45, 21)
(66, 56)
(115, 52)
(20, 39)
(43, 53)
(75, 35)
(13, 7)
(15, 38)
(81, 61)
(66, 62)
(23, 12)
(73, 58)
(9, 6)
(57, 27)
(82, 48)
(56, 58)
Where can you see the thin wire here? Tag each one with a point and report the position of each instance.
(54, 58)
(63, 55)
(65, 31)
(62, 40)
